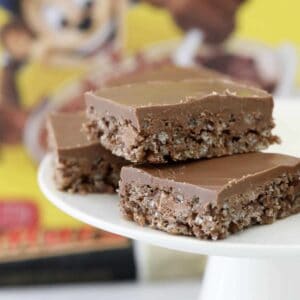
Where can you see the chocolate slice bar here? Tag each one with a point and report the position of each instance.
(159, 122)
(211, 199)
(81, 166)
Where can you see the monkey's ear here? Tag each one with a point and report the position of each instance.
(17, 40)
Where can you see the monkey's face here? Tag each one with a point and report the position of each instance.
(78, 26)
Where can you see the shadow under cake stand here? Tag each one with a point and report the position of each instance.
(261, 263)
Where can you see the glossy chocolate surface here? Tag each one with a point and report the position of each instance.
(68, 140)
(214, 179)
(179, 99)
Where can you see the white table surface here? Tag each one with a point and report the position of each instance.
(187, 289)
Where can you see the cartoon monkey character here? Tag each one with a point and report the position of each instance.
(73, 33)
(67, 31)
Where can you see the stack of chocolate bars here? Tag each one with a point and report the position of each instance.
(181, 146)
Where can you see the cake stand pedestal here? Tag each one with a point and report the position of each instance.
(234, 278)
(261, 263)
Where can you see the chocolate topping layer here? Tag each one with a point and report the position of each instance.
(177, 99)
(81, 166)
(214, 180)
(66, 130)
(68, 140)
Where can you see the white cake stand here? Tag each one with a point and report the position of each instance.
(261, 263)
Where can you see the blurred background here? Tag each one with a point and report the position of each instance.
(51, 52)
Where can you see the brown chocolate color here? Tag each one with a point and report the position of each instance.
(177, 99)
(213, 180)
(67, 139)
(80, 166)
